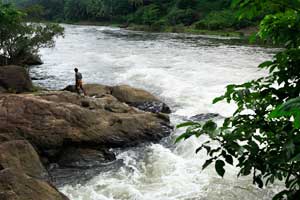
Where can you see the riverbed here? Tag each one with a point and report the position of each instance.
(185, 71)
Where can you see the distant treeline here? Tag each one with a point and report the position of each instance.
(201, 14)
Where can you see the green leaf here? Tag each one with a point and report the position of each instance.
(219, 166)
(281, 195)
(207, 163)
(229, 159)
(288, 109)
(185, 124)
(218, 99)
(265, 64)
(295, 158)
(209, 126)
(184, 136)
(257, 179)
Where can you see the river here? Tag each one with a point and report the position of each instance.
(186, 72)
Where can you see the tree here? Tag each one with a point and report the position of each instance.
(19, 39)
(263, 134)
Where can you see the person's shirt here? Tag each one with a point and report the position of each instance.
(78, 76)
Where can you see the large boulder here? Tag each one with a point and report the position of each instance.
(135, 97)
(139, 98)
(15, 185)
(93, 90)
(22, 175)
(21, 156)
(14, 79)
(51, 122)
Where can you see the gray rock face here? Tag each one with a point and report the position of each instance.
(14, 79)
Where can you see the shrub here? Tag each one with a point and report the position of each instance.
(186, 17)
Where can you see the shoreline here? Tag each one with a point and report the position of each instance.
(242, 34)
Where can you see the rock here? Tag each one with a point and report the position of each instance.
(93, 90)
(106, 102)
(2, 90)
(84, 157)
(97, 90)
(5, 137)
(50, 122)
(204, 117)
(152, 106)
(21, 156)
(138, 98)
(131, 95)
(15, 79)
(15, 185)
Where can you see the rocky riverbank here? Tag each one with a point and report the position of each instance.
(42, 129)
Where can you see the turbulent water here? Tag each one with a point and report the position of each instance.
(185, 71)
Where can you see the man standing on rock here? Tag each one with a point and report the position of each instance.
(78, 81)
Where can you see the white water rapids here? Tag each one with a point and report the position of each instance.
(185, 71)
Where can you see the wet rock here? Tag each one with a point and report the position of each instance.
(51, 121)
(21, 156)
(22, 175)
(15, 79)
(204, 117)
(97, 90)
(152, 106)
(93, 90)
(84, 158)
(15, 185)
(138, 98)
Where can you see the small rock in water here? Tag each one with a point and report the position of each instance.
(204, 117)
(152, 106)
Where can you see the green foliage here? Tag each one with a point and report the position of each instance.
(19, 39)
(217, 20)
(263, 134)
(156, 14)
(150, 14)
(178, 16)
(186, 4)
(288, 109)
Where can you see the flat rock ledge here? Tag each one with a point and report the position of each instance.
(66, 130)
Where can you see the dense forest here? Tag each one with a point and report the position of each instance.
(155, 14)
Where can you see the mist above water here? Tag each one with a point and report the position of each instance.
(185, 71)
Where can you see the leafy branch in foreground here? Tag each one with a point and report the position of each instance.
(263, 134)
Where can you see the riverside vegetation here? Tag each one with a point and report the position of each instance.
(194, 16)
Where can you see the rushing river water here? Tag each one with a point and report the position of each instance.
(185, 71)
